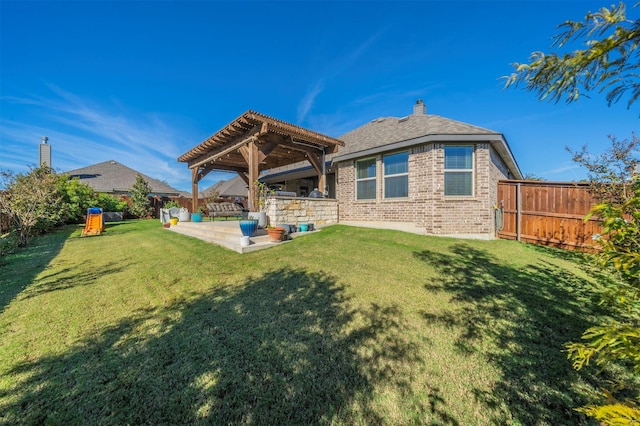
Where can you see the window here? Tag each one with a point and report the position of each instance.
(396, 175)
(458, 170)
(366, 179)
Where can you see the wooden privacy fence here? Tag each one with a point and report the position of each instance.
(548, 213)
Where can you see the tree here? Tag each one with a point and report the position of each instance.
(533, 176)
(77, 197)
(140, 204)
(32, 201)
(608, 63)
(110, 203)
(617, 341)
(610, 173)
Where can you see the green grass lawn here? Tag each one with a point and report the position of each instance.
(345, 326)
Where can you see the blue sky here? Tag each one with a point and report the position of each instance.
(142, 82)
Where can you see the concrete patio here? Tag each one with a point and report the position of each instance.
(226, 233)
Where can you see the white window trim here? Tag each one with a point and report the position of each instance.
(385, 176)
(374, 178)
(472, 170)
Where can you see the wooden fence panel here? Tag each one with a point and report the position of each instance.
(549, 213)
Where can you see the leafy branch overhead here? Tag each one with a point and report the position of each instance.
(608, 63)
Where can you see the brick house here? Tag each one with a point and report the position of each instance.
(421, 173)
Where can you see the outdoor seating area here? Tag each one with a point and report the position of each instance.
(229, 234)
(226, 210)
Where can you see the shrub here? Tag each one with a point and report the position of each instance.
(618, 341)
(77, 197)
(110, 203)
(140, 205)
(32, 201)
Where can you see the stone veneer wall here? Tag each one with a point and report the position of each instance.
(426, 206)
(294, 210)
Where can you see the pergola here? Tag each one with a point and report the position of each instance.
(255, 142)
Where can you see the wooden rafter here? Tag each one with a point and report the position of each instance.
(225, 149)
(254, 142)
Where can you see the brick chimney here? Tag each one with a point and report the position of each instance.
(44, 155)
(419, 108)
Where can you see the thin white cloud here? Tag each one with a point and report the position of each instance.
(355, 54)
(562, 169)
(566, 172)
(338, 67)
(306, 103)
(363, 109)
(140, 134)
(82, 133)
(525, 118)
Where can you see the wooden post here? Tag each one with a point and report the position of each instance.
(318, 165)
(518, 211)
(194, 189)
(253, 156)
(254, 172)
(322, 183)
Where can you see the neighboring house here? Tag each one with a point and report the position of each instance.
(428, 173)
(115, 178)
(230, 188)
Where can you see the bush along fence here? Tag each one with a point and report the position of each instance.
(547, 213)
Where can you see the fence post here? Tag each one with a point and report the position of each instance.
(518, 210)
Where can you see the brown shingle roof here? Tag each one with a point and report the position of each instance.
(113, 177)
(388, 133)
(234, 187)
(389, 130)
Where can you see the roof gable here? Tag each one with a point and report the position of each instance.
(234, 187)
(389, 130)
(113, 177)
(392, 133)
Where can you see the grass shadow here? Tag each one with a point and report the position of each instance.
(69, 278)
(121, 227)
(528, 314)
(284, 348)
(18, 270)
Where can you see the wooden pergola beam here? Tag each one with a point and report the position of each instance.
(254, 155)
(220, 152)
(283, 128)
(318, 165)
(244, 177)
(255, 137)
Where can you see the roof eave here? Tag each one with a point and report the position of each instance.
(496, 139)
(504, 150)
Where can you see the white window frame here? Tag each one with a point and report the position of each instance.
(385, 176)
(471, 170)
(374, 178)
